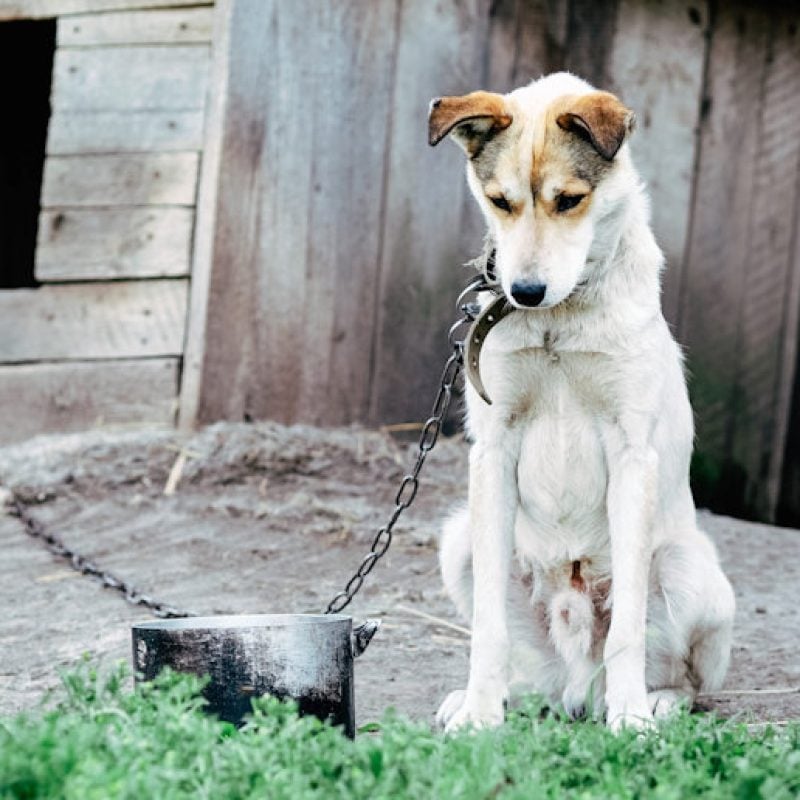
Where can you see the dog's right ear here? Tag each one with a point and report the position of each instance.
(471, 119)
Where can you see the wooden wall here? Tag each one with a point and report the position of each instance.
(336, 234)
(340, 235)
(324, 238)
(101, 340)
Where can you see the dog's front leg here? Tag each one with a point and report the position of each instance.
(493, 499)
(632, 484)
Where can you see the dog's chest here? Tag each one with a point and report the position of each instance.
(562, 468)
(558, 403)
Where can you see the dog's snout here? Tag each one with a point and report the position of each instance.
(528, 294)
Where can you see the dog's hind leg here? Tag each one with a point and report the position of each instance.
(690, 621)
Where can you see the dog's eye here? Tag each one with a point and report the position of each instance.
(564, 202)
(501, 203)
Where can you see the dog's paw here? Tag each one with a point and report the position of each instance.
(632, 719)
(475, 719)
(664, 702)
(580, 701)
(573, 701)
(458, 711)
(449, 707)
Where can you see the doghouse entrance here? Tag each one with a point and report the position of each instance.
(26, 64)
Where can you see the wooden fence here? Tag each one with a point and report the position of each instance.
(326, 240)
(338, 234)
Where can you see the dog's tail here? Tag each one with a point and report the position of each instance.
(571, 625)
(455, 561)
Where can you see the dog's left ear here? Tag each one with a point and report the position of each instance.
(471, 119)
(601, 119)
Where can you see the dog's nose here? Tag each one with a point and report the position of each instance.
(528, 294)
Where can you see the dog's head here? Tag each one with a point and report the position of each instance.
(546, 163)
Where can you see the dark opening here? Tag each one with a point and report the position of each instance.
(788, 512)
(26, 64)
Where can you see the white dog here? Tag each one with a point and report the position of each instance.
(578, 558)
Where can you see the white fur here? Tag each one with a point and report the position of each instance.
(583, 455)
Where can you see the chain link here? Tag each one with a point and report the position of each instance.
(406, 493)
(428, 437)
(83, 565)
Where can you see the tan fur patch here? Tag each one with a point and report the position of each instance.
(564, 156)
(572, 170)
(448, 112)
(599, 118)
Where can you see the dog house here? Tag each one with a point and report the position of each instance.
(101, 149)
(229, 211)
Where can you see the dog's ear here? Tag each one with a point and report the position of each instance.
(601, 119)
(471, 119)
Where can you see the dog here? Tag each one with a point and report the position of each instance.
(577, 558)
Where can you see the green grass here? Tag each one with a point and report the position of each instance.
(106, 741)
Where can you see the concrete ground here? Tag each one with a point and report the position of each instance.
(266, 518)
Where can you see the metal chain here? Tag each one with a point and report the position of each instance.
(83, 565)
(427, 439)
(405, 496)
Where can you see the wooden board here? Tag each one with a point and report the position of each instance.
(431, 224)
(89, 321)
(33, 9)
(193, 389)
(89, 132)
(664, 85)
(99, 243)
(519, 42)
(74, 396)
(129, 78)
(298, 213)
(116, 180)
(739, 297)
(165, 26)
(770, 300)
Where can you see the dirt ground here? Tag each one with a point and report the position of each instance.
(267, 519)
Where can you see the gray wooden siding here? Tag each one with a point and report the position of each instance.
(324, 238)
(37, 9)
(338, 234)
(739, 293)
(115, 231)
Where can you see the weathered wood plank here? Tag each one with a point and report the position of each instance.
(34, 9)
(715, 276)
(736, 313)
(100, 243)
(430, 225)
(581, 37)
(89, 132)
(74, 396)
(131, 78)
(165, 26)
(656, 65)
(193, 391)
(298, 213)
(519, 42)
(88, 321)
(770, 302)
(114, 180)
(787, 431)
